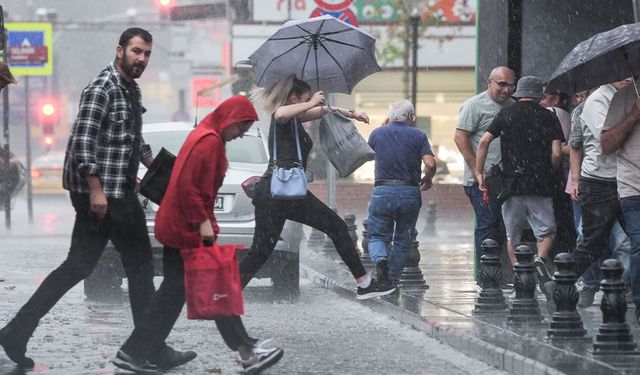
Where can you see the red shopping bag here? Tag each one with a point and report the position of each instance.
(212, 282)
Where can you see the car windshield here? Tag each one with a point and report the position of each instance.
(248, 149)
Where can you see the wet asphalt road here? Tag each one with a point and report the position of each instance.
(322, 333)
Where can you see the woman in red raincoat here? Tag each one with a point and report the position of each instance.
(185, 220)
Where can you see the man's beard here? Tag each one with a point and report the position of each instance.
(129, 70)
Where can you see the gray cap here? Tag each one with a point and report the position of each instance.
(529, 87)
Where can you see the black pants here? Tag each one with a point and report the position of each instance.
(600, 210)
(271, 215)
(164, 309)
(125, 226)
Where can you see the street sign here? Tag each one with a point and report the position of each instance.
(29, 48)
(198, 11)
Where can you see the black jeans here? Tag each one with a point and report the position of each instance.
(600, 209)
(271, 215)
(125, 226)
(164, 309)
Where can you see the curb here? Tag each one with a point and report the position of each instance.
(490, 354)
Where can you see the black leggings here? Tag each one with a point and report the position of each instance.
(271, 215)
(164, 309)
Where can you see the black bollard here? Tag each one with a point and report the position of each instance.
(430, 218)
(490, 298)
(525, 307)
(566, 323)
(365, 258)
(316, 239)
(350, 219)
(412, 278)
(614, 336)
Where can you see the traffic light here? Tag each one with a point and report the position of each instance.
(48, 118)
(165, 6)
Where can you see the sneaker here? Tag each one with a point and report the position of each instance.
(127, 362)
(14, 343)
(541, 270)
(587, 296)
(168, 358)
(547, 289)
(382, 270)
(375, 289)
(261, 359)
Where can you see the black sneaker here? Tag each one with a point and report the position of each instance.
(547, 289)
(543, 274)
(587, 296)
(127, 362)
(375, 289)
(14, 343)
(168, 358)
(261, 359)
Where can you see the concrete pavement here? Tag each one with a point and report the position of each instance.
(444, 311)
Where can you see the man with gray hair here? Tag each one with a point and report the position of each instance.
(396, 199)
(475, 116)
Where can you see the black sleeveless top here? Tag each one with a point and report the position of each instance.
(287, 155)
(286, 144)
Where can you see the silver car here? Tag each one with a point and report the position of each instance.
(234, 211)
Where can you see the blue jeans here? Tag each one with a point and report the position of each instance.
(631, 211)
(393, 206)
(487, 220)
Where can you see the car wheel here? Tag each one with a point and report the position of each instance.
(285, 275)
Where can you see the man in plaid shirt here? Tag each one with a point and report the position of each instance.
(101, 165)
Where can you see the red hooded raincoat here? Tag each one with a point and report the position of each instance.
(197, 175)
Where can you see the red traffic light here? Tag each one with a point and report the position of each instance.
(165, 5)
(48, 111)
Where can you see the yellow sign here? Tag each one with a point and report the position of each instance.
(29, 48)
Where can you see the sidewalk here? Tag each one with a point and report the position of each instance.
(444, 311)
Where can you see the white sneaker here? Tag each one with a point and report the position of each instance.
(261, 359)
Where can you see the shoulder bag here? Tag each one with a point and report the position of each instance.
(498, 184)
(288, 182)
(155, 181)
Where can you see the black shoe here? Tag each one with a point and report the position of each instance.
(168, 358)
(14, 343)
(375, 289)
(587, 295)
(382, 270)
(542, 272)
(548, 288)
(127, 362)
(261, 359)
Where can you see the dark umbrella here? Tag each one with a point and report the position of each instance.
(606, 57)
(328, 53)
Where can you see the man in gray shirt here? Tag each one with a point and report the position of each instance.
(622, 134)
(475, 116)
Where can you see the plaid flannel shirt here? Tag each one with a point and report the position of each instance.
(101, 139)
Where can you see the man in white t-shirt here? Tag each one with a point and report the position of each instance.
(622, 134)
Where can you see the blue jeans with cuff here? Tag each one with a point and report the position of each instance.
(393, 213)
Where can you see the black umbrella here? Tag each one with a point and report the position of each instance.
(606, 57)
(328, 53)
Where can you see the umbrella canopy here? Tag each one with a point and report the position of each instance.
(606, 57)
(327, 53)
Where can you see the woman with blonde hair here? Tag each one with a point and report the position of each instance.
(290, 103)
